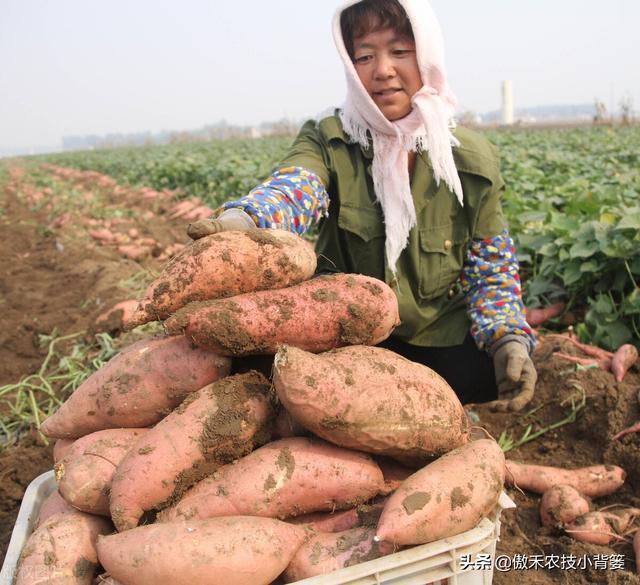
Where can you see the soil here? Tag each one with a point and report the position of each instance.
(56, 276)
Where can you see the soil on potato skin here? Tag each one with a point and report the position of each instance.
(43, 286)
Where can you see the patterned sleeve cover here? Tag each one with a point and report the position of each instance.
(293, 199)
(491, 283)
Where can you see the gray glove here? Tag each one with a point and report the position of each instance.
(515, 374)
(233, 219)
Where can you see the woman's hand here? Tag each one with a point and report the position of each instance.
(233, 219)
(516, 376)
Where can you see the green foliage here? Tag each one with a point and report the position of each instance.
(572, 202)
(216, 171)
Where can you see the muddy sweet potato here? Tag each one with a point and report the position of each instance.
(562, 504)
(371, 399)
(60, 447)
(62, 550)
(284, 478)
(624, 357)
(235, 550)
(326, 552)
(316, 315)
(224, 265)
(214, 426)
(84, 479)
(446, 497)
(137, 387)
(593, 481)
(592, 528)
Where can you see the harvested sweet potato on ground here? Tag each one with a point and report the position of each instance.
(446, 497)
(625, 356)
(593, 481)
(562, 504)
(284, 478)
(224, 265)
(137, 387)
(214, 426)
(371, 399)
(326, 552)
(592, 528)
(319, 314)
(62, 550)
(85, 480)
(538, 316)
(115, 318)
(235, 550)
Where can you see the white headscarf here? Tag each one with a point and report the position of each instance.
(427, 127)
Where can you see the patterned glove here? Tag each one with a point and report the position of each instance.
(229, 220)
(515, 374)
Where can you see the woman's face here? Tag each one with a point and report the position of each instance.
(388, 68)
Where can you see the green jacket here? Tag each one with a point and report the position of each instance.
(352, 237)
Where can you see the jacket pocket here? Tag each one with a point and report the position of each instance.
(363, 232)
(442, 251)
(365, 222)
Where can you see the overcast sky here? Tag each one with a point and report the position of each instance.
(76, 67)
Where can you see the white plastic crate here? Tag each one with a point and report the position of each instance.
(435, 563)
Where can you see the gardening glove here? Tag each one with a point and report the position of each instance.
(233, 219)
(515, 374)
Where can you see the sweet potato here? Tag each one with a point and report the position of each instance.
(326, 552)
(224, 265)
(446, 497)
(215, 425)
(316, 315)
(137, 387)
(593, 481)
(538, 316)
(286, 426)
(115, 318)
(562, 504)
(85, 480)
(328, 521)
(62, 550)
(282, 479)
(592, 528)
(52, 505)
(371, 399)
(625, 356)
(235, 550)
(60, 447)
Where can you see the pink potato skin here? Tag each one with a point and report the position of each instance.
(624, 357)
(52, 505)
(591, 528)
(316, 315)
(224, 265)
(60, 447)
(62, 550)
(137, 387)
(84, 480)
(562, 504)
(371, 399)
(284, 478)
(326, 552)
(446, 497)
(235, 550)
(215, 425)
(593, 481)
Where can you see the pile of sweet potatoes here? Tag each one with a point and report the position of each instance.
(177, 464)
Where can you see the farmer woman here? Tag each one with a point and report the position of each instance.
(399, 193)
